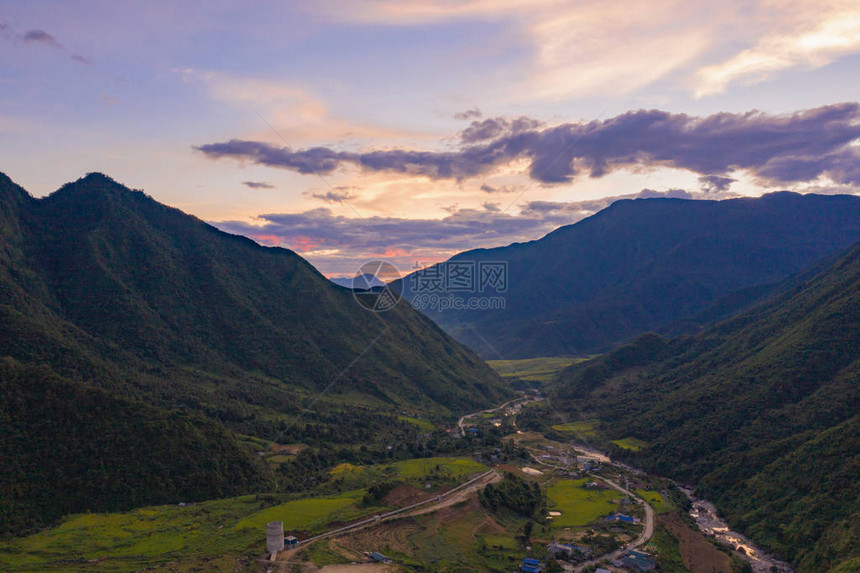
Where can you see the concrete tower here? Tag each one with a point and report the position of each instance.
(275, 536)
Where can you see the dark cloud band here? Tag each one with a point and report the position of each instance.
(789, 148)
(404, 241)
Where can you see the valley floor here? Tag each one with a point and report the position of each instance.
(432, 521)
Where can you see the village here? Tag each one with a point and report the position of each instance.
(596, 518)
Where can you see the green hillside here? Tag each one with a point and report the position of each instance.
(118, 294)
(104, 283)
(66, 447)
(759, 411)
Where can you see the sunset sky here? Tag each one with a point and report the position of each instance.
(350, 131)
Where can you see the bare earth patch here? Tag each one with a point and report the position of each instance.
(392, 535)
(699, 555)
(404, 494)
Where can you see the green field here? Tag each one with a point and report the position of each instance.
(451, 467)
(579, 506)
(158, 535)
(535, 369)
(632, 444)
(580, 429)
(657, 501)
(443, 469)
(309, 515)
(422, 424)
(222, 535)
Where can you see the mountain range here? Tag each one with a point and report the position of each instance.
(643, 265)
(129, 306)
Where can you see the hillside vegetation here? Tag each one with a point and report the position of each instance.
(67, 448)
(647, 265)
(126, 302)
(760, 411)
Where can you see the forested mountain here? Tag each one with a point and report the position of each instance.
(647, 265)
(68, 447)
(124, 301)
(762, 412)
(102, 282)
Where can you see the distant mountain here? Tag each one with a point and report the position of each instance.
(644, 265)
(761, 411)
(363, 281)
(131, 302)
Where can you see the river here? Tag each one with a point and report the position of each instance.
(705, 515)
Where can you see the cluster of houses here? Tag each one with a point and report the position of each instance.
(633, 561)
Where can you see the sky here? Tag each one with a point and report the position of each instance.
(409, 131)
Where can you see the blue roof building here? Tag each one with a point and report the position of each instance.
(531, 565)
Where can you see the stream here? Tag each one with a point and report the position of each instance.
(705, 515)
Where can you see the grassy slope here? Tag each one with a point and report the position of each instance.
(228, 533)
(156, 536)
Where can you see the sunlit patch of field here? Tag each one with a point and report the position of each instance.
(579, 506)
(632, 444)
(581, 429)
(534, 369)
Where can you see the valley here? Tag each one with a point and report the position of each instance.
(430, 286)
(430, 515)
(169, 389)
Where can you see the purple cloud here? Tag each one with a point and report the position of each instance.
(789, 148)
(337, 195)
(80, 59)
(402, 241)
(669, 193)
(715, 183)
(503, 189)
(41, 37)
(473, 113)
(494, 127)
(36, 37)
(258, 185)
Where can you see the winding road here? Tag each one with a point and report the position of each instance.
(647, 531)
(522, 400)
(462, 491)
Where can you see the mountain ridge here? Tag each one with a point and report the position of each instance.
(121, 246)
(642, 265)
(151, 320)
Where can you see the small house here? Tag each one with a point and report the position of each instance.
(530, 565)
(638, 561)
